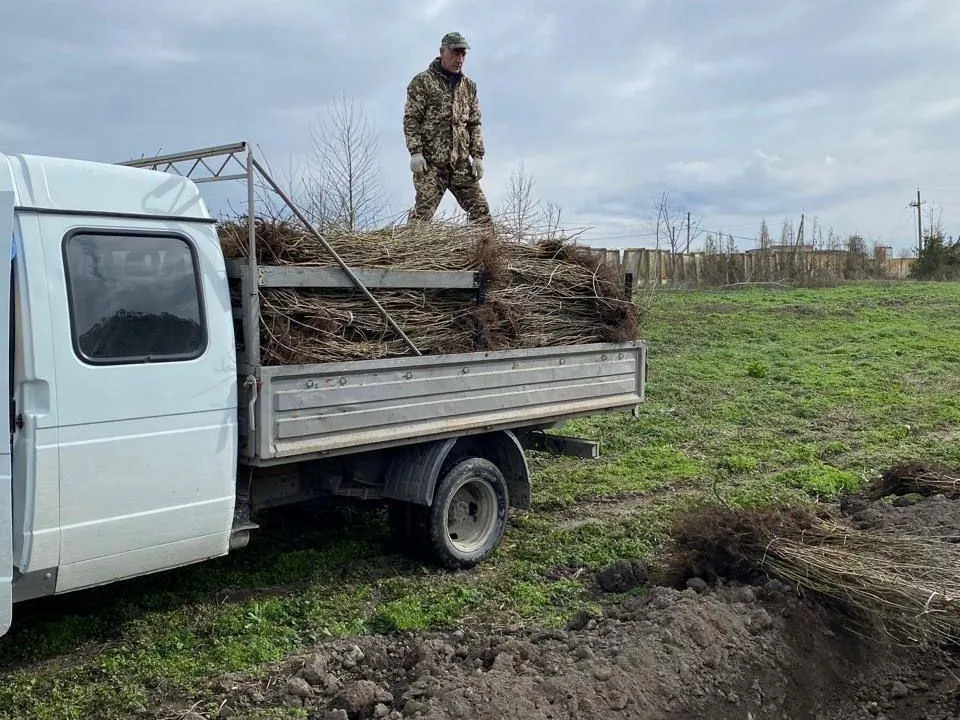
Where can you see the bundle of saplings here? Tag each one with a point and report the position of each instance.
(541, 294)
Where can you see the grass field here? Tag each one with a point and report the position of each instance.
(752, 395)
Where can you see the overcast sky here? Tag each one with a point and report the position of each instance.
(741, 109)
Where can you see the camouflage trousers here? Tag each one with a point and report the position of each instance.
(431, 186)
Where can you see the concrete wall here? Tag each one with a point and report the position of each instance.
(652, 266)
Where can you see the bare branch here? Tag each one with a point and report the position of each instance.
(519, 212)
(551, 221)
(346, 185)
(676, 229)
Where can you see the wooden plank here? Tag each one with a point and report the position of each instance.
(311, 277)
(334, 277)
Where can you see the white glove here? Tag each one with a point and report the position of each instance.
(417, 164)
(478, 168)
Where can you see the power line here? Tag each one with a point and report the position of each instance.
(898, 225)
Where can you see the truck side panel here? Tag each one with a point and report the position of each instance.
(101, 571)
(146, 394)
(353, 406)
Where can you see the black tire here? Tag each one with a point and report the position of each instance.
(468, 517)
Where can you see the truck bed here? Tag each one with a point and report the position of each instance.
(290, 412)
(322, 410)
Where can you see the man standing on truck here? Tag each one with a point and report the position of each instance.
(443, 133)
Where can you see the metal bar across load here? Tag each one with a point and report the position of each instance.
(241, 176)
(394, 279)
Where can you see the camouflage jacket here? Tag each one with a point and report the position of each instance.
(441, 118)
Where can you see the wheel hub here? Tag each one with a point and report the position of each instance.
(461, 511)
(471, 515)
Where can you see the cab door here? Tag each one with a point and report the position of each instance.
(146, 395)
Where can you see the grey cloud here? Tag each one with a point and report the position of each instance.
(606, 105)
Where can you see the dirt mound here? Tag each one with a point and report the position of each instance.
(935, 516)
(713, 652)
(916, 498)
(752, 650)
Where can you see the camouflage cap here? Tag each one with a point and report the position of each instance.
(454, 40)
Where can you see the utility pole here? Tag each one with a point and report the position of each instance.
(688, 231)
(917, 205)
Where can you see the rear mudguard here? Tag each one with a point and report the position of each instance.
(413, 472)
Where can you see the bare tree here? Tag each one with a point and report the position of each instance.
(676, 229)
(833, 241)
(763, 242)
(816, 234)
(345, 185)
(665, 219)
(299, 186)
(787, 233)
(935, 221)
(693, 231)
(551, 221)
(520, 206)
(523, 216)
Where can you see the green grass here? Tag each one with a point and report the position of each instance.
(753, 395)
(808, 391)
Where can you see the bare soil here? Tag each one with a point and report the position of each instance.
(712, 651)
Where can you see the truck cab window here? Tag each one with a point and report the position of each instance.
(133, 297)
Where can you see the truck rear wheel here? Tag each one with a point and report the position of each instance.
(468, 517)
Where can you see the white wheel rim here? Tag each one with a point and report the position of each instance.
(471, 516)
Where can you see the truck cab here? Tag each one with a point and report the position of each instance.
(121, 373)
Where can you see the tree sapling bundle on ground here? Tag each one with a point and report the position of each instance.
(536, 295)
(916, 478)
(905, 584)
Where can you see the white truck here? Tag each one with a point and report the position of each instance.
(142, 439)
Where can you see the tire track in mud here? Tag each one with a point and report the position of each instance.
(597, 511)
